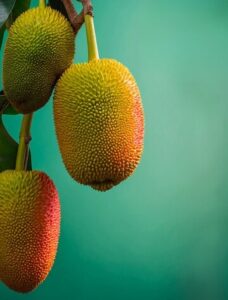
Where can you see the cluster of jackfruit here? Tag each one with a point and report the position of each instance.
(40, 46)
(97, 105)
(99, 124)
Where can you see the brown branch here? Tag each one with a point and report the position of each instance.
(87, 7)
(76, 19)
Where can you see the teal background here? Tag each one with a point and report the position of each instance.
(162, 234)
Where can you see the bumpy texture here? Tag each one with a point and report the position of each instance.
(99, 122)
(29, 228)
(39, 48)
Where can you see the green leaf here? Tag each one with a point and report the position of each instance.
(2, 30)
(6, 7)
(5, 106)
(8, 150)
(19, 7)
(58, 5)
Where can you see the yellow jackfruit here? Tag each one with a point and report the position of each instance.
(40, 46)
(99, 122)
(29, 228)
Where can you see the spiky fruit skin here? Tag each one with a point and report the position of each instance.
(40, 46)
(99, 122)
(29, 227)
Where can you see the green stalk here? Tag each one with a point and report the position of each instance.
(42, 4)
(23, 148)
(91, 38)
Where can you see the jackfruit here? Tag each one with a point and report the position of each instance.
(40, 46)
(99, 122)
(29, 227)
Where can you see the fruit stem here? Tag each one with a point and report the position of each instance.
(42, 4)
(91, 38)
(23, 148)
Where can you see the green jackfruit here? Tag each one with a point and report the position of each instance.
(40, 46)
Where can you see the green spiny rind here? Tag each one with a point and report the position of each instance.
(39, 48)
